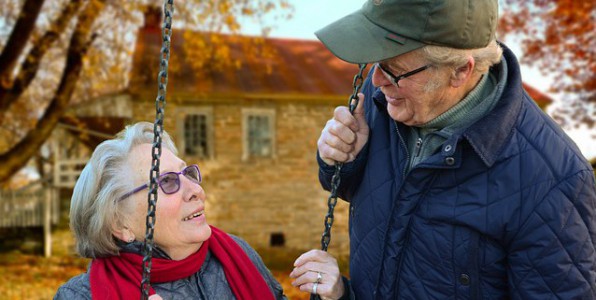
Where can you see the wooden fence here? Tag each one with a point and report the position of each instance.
(36, 205)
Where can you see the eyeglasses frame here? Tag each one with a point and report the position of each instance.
(395, 79)
(146, 185)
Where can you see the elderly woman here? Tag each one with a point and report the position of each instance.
(191, 259)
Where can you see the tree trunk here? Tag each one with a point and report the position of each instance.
(18, 156)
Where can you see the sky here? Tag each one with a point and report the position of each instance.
(312, 15)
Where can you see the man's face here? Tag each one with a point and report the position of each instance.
(420, 97)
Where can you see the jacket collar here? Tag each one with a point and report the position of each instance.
(491, 133)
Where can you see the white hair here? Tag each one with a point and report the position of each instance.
(94, 206)
(484, 58)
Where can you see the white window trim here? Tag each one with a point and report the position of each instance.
(268, 112)
(181, 113)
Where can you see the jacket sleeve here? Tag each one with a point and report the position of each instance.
(349, 293)
(77, 287)
(553, 255)
(350, 175)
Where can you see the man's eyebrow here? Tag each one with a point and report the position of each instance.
(388, 64)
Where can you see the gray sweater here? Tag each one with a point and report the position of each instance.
(208, 283)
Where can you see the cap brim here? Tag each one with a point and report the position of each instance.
(355, 39)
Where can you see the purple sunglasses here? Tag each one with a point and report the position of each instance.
(170, 182)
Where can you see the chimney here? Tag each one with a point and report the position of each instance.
(153, 16)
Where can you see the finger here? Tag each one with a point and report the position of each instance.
(342, 114)
(157, 297)
(308, 287)
(359, 114)
(312, 255)
(323, 290)
(307, 277)
(360, 107)
(343, 132)
(308, 271)
(306, 268)
(328, 137)
(331, 155)
(338, 144)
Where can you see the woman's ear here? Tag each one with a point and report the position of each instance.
(124, 234)
(462, 74)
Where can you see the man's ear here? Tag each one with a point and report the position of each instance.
(463, 73)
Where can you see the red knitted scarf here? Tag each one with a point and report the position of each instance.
(119, 277)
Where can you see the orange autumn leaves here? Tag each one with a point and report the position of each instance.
(558, 37)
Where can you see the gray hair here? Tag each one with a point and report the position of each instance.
(484, 57)
(94, 207)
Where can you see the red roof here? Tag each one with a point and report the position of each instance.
(298, 67)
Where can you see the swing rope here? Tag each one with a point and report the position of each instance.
(335, 179)
(160, 103)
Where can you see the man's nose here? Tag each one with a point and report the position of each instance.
(378, 78)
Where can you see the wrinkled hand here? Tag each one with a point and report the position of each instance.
(345, 135)
(306, 269)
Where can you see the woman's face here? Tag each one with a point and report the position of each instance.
(180, 226)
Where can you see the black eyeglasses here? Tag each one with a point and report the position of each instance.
(170, 182)
(395, 79)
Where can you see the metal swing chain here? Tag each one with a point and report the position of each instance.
(160, 103)
(335, 179)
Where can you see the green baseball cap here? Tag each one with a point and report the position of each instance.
(382, 29)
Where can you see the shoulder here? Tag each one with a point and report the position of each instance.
(256, 259)
(77, 287)
(252, 254)
(540, 139)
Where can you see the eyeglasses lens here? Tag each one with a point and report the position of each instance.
(169, 183)
(192, 173)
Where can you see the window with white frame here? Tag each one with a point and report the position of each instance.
(259, 132)
(195, 132)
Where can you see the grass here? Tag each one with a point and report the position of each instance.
(28, 275)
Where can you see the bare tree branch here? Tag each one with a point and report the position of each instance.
(18, 156)
(17, 40)
(31, 63)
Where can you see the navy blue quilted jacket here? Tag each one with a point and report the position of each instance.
(505, 210)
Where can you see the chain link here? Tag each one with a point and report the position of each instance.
(336, 179)
(160, 103)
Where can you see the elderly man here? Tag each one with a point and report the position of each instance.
(459, 186)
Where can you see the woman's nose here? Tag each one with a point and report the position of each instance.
(192, 190)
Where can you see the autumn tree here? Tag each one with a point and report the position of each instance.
(558, 37)
(59, 52)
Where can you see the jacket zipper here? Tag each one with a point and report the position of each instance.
(403, 143)
(418, 146)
